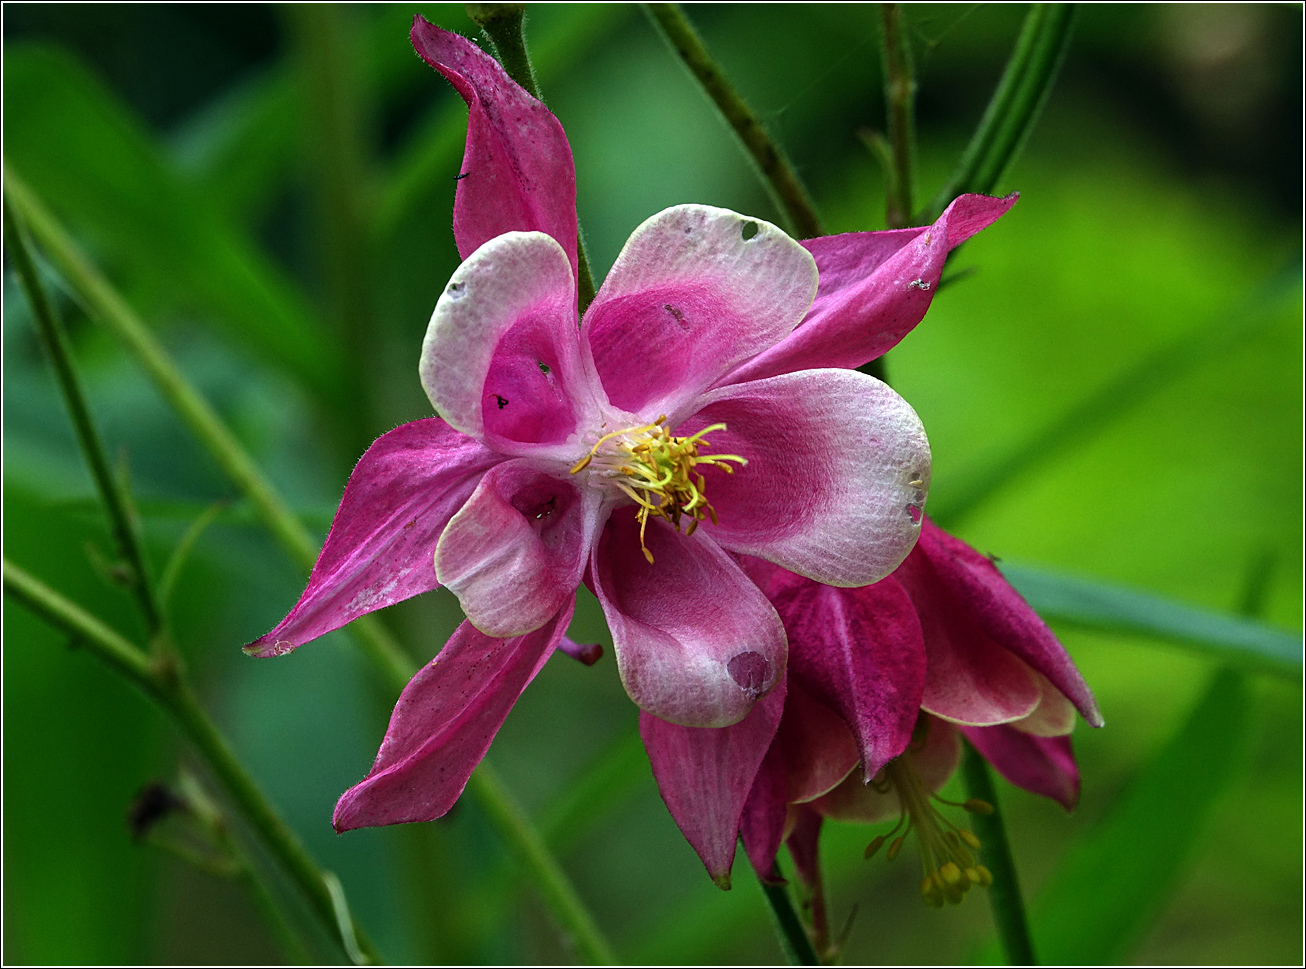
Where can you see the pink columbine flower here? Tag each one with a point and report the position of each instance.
(681, 423)
(880, 682)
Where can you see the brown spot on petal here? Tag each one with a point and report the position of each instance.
(752, 671)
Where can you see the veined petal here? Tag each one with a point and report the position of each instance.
(704, 776)
(501, 359)
(691, 295)
(837, 474)
(517, 173)
(399, 499)
(804, 843)
(1044, 765)
(974, 583)
(859, 652)
(515, 552)
(443, 724)
(697, 643)
(875, 288)
(819, 749)
(762, 824)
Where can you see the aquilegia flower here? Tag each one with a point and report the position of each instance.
(880, 682)
(681, 423)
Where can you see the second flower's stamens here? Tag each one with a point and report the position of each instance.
(657, 471)
(949, 868)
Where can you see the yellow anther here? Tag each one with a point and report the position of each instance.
(950, 874)
(976, 806)
(969, 837)
(894, 848)
(876, 844)
(985, 876)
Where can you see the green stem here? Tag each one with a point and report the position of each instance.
(1014, 107)
(780, 178)
(1004, 893)
(789, 928)
(558, 892)
(377, 644)
(505, 26)
(900, 105)
(166, 685)
(333, 128)
(55, 341)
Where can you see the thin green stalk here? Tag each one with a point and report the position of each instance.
(1014, 107)
(334, 129)
(778, 175)
(107, 306)
(55, 341)
(1004, 893)
(900, 107)
(789, 928)
(167, 686)
(505, 26)
(558, 892)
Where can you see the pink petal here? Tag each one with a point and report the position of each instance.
(403, 492)
(696, 641)
(838, 469)
(860, 653)
(1053, 717)
(762, 824)
(517, 173)
(875, 288)
(687, 299)
(501, 359)
(515, 553)
(976, 586)
(443, 724)
(804, 843)
(705, 774)
(819, 749)
(1044, 765)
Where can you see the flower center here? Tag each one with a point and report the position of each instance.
(659, 472)
(950, 870)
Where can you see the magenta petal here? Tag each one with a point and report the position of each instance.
(838, 470)
(696, 641)
(860, 652)
(403, 492)
(443, 724)
(516, 551)
(705, 774)
(687, 299)
(975, 585)
(517, 173)
(875, 287)
(819, 749)
(804, 847)
(762, 825)
(504, 318)
(1044, 765)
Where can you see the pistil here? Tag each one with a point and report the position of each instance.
(659, 472)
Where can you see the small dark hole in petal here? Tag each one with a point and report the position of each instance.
(752, 671)
(456, 290)
(749, 230)
(914, 513)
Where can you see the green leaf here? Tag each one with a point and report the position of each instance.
(1245, 643)
(1112, 885)
(79, 147)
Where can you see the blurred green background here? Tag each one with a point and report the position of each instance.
(271, 188)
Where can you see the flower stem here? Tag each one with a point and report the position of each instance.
(166, 685)
(124, 524)
(1014, 107)
(1004, 893)
(900, 105)
(377, 644)
(558, 892)
(789, 928)
(780, 178)
(505, 26)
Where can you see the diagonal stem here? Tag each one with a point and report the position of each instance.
(170, 690)
(793, 936)
(1014, 107)
(900, 104)
(50, 329)
(1004, 894)
(106, 305)
(779, 176)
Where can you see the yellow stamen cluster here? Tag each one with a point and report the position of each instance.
(950, 870)
(659, 472)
